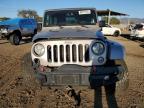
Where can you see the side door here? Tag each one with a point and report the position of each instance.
(24, 27)
(107, 30)
(30, 26)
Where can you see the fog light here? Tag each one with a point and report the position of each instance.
(100, 59)
(37, 61)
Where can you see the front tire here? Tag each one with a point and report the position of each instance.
(116, 33)
(14, 39)
(122, 84)
(41, 78)
(29, 73)
(29, 80)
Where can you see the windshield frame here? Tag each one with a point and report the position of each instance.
(93, 13)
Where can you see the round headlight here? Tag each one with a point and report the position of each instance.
(98, 48)
(39, 49)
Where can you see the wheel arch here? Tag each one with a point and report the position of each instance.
(116, 51)
(15, 32)
(117, 31)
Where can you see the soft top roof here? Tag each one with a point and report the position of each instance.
(68, 9)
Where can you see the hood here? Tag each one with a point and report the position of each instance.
(13, 21)
(116, 28)
(69, 33)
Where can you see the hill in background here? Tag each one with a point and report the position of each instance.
(131, 20)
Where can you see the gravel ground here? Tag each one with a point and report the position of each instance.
(17, 90)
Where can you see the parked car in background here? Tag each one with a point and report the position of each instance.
(110, 30)
(137, 31)
(15, 29)
(71, 50)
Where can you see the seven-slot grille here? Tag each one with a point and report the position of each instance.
(68, 53)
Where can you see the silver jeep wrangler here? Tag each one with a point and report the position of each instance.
(71, 50)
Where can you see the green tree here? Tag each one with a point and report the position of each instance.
(105, 19)
(39, 19)
(4, 18)
(114, 20)
(29, 14)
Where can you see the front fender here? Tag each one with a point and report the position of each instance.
(116, 51)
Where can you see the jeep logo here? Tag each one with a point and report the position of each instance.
(68, 42)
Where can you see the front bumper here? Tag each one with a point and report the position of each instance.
(140, 37)
(133, 36)
(4, 35)
(82, 76)
(137, 36)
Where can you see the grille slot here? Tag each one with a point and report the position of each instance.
(61, 50)
(55, 50)
(49, 53)
(74, 53)
(68, 53)
(87, 53)
(80, 49)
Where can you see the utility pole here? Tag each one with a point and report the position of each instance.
(109, 16)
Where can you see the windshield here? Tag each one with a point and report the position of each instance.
(68, 18)
(138, 26)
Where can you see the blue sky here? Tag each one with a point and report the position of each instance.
(9, 8)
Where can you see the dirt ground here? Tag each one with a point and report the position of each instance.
(17, 90)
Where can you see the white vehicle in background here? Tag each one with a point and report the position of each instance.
(137, 31)
(110, 30)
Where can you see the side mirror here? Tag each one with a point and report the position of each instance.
(102, 24)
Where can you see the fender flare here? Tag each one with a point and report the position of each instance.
(116, 51)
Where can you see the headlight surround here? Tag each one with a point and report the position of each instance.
(38, 49)
(98, 48)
